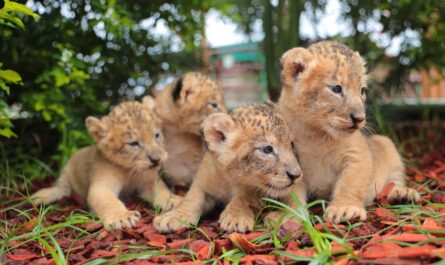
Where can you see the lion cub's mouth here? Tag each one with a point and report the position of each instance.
(346, 129)
(278, 188)
(353, 128)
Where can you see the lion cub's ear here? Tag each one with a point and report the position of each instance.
(218, 130)
(96, 128)
(271, 105)
(294, 62)
(184, 90)
(149, 102)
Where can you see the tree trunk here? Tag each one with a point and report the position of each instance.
(205, 52)
(295, 7)
(273, 86)
(285, 18)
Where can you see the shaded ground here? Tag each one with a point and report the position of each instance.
(400, 234)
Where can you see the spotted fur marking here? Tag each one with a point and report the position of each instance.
(343, 56)
(262, 118)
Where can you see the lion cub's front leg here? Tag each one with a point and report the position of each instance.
(350, 192)
(164, 198)
(187, 213)
(238, 216)
(157, 193)
(103, 200)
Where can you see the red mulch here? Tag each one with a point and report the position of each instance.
(383, 239)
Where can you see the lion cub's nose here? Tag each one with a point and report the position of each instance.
(154, 160)
(356, 119)
(293, 175)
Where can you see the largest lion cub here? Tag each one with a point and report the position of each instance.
(323, 100)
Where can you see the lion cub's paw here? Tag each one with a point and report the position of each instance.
(121, 220)
(337, 214)
(48, 195)
(39, 200)
(236, 222)
(169, 203)
(272, 218)
(399, 194)
(172, 221)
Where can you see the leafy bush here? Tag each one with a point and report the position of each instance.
(9, 17)
(80, 59)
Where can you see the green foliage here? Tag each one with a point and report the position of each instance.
(85, 56)
(8, 14)
(18, 167)
(322, 241)
(419, 27)
(9, 17)
(6, 77)
(374, 27)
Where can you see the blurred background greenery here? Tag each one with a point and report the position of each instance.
(68, 59)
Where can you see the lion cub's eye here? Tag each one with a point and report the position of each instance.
(157, 136)
(363, 91)
(267, 149)
(292, 144)
(337, 89)
(213, 105)
(134, 144)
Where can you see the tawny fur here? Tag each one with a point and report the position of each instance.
(339, 161)
(182, 106)
(250, 155)
(126, 159)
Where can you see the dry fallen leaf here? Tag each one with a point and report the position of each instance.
(408, 237)
(241, 241)
(381, 250)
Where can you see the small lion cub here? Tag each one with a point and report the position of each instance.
(126, 158)
(182, 106)
(249, 156)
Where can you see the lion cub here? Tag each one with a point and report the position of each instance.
(249, 155)
(323, 96)
(182, 106)
(126, 158)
